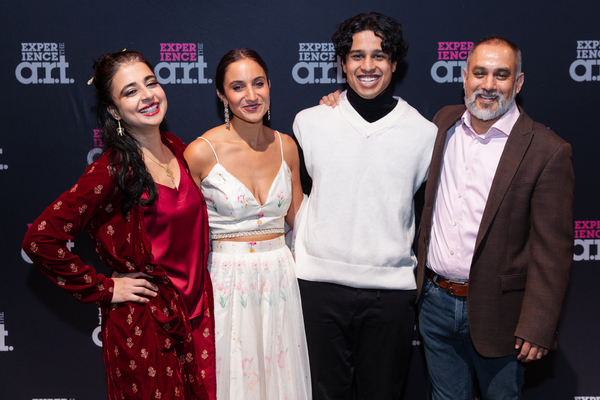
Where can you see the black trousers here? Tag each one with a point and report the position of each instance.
(359, 340)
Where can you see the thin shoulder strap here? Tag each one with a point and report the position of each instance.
(280, 145)
(212, 148)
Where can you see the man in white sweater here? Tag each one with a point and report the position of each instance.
(367, 158)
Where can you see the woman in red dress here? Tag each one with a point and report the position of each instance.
(149, 223)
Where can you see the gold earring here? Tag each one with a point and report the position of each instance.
(120, 130)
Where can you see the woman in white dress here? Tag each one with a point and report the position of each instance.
(249, 175)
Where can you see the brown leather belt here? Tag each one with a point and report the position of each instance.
(456, 288)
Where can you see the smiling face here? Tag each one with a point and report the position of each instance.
(490, 81)
(246, 90)
(139, 100)
(368, 69)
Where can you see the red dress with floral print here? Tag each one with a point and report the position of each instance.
(149, 349)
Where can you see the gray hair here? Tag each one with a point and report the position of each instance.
(498, 39)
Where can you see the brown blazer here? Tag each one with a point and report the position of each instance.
(524, 248)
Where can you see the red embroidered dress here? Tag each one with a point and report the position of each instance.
(149, 349)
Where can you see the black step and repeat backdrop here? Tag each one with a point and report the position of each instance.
(49, 343)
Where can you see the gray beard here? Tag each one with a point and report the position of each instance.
(485, 114)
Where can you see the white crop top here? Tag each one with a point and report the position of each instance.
(232, 209)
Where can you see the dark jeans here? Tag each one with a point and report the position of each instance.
(358, 338)
(452, 360)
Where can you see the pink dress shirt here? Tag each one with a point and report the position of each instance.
(468, 169)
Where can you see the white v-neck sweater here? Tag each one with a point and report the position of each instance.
(357, 226)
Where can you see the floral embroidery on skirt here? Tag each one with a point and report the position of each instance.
(260, 341)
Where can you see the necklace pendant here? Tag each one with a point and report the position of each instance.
(170, 174)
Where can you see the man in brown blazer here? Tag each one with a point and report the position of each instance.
(496, 236)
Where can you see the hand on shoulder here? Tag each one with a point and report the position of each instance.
(332, 99)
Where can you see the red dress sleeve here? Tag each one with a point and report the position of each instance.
(46, 240)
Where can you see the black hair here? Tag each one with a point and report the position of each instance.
(386, 28)
(125, 157)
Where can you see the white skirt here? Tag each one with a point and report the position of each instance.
(260, 341)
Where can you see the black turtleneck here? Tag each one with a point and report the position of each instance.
(372, 109)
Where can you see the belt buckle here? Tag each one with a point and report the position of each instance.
(450, 289)
(452, 284)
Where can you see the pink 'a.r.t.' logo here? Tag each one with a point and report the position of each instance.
(587, 240)
(452, 58)
(454, 50)
(96, 152)
(181, 63)
(178, 52)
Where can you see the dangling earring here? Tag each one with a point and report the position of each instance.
(226, 115)
(120, 130)
(269, 113)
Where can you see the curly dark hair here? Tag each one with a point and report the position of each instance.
(132, 177)
(386, 28)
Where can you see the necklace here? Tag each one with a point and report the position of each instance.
(166, 167)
